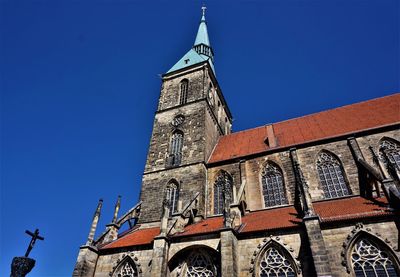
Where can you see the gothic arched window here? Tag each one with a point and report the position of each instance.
(175, 151)
(368, 259)
(183, 95)
(273, 187)
(172, 195)
(127, 269)
(222, 191)
(275, 264)
(389, 151)
(331, 175)
(200, 264)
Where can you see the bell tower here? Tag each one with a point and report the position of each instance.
(191, 115)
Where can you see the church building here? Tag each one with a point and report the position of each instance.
(317, 195)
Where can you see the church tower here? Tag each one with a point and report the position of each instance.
(191, 115)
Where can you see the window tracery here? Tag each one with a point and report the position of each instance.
(273, 186)
(127, 269)
(222, 192)
(389, 151)
(199, 264)
(184, 86)
(172, 195)
(370, 261)
(331, 175)
(275, 264)
(175, 152)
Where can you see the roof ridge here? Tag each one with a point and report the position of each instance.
(314, 113)
(337, 108)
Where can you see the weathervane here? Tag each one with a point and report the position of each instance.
(21, 266)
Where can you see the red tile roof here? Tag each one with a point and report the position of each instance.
(351, 208)
(269, 219)
(134, 238)
(206, 226)
(331, 123)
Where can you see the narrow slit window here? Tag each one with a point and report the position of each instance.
(184, 86)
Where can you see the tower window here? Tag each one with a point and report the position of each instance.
(273, 187)
(172, 195)
(184, 86)
(331, 175)
(175, 152)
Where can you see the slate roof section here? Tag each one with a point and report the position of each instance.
(349, 119)
(334, 210)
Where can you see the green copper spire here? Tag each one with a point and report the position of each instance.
(202, 34)
(201, 50)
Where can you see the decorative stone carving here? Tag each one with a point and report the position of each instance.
(274, 245)
(355, 233)
(128, 264)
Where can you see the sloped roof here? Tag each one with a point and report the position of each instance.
(334, 210)
(327, 124)
(351, 208)
(134, 238)
(189, 59)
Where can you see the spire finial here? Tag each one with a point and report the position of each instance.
(203, 8)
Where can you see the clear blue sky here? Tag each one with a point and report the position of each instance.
(79, 88)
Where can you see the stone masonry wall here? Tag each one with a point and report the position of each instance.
(335, 237)
(107, 263)
(191, 180)
(307, 159)
(193, 136)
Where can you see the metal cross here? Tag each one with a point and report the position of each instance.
(204, 9)
(34, 236)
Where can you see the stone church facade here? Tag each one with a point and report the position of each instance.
(317, 195)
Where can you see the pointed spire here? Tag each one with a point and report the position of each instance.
(95, 220)
(201, 50)
(202, 33)
(116, 209)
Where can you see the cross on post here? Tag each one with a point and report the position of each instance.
(204, 8)
(34, 236)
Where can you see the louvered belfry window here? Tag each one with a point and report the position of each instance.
(183, 95)
(368, 260)
(175, 152)
(172, 192)
(273, 187)
(275, 264)
(331, 175)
